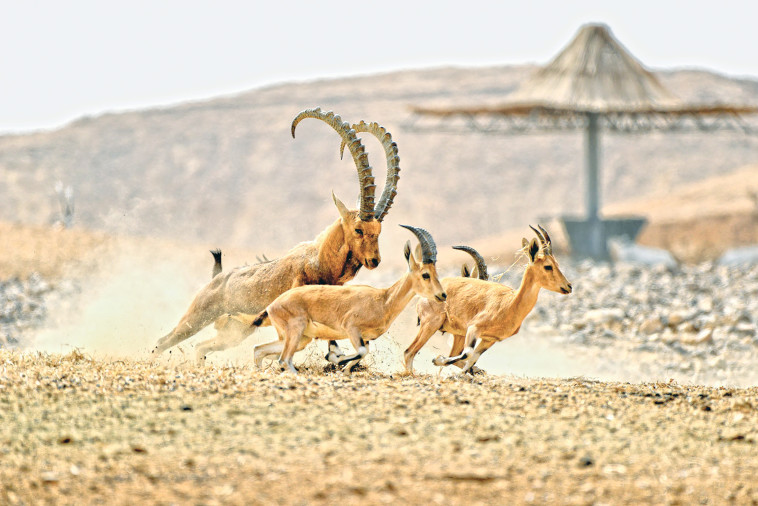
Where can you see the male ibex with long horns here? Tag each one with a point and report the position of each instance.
(484, 311)
(333, 258)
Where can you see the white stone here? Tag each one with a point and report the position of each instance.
(740, 256)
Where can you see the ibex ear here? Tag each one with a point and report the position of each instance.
(419, 253)
(342, 208)
(475, 272)
(412, 263)
(524, 243)
(534, 248)
(464, 271)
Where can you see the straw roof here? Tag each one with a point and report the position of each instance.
(594, 73)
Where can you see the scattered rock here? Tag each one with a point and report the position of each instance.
(651, 325)
(693, 314)
(604, 315)
(740, 256)
(704, 336)
(22, 307)
(586, 461)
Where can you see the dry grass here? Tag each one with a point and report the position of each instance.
(47, 250)
(76, 430)
(703, 238)
(57, 253)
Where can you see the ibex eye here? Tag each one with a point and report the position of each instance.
(425, 276)
(548, 267)
(359, 231)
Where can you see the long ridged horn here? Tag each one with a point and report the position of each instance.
(481, 265)
(357, 150)
(393, 165)
(547, 240)
(428, 248)
(543, 241)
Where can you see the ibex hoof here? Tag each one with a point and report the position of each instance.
(439, 360)
(333, 357)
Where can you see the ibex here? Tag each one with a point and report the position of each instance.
(356, 312)
(480, 267)
(333, 258)
(484, 310)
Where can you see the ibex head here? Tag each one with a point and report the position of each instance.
(426, 282)
(543, 264)
(361, 237)
(362, 227)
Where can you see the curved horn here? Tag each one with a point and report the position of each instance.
(481, 265)
(357, 150)
(393, 165)
(428, 248)
(547, 240)
(541, 237)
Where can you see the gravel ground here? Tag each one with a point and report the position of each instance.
(22, 308)
(76, 431)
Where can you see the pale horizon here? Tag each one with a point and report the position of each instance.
(86, 58)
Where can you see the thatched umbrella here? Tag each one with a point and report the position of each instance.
(594, 83)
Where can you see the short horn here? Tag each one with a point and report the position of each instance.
(357, 150)
(541, 237)
(428, 248)
(393, 165)
(481, 265)
(547, 240)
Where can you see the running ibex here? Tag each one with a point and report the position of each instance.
(356, 312)
(333, 258)
(484, 310)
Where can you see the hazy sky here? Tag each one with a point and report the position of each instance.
(60, 60)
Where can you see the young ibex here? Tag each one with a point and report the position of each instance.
(485, 310)
(480, 266)
(333, 258)
(355, 312)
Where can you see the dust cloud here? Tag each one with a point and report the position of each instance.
(125, 303)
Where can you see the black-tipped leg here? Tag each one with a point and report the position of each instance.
(351, 361)
(334, 353)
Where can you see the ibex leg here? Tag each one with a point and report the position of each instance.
(350, 365)
(262, 351)
(230, 332)
(203, 310)
(456, 349)
(293, 340)
(360, 349)
(335, 353)
(474, 356)
(426, 330)
(468, 348)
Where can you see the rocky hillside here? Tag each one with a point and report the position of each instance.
(227, 172)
